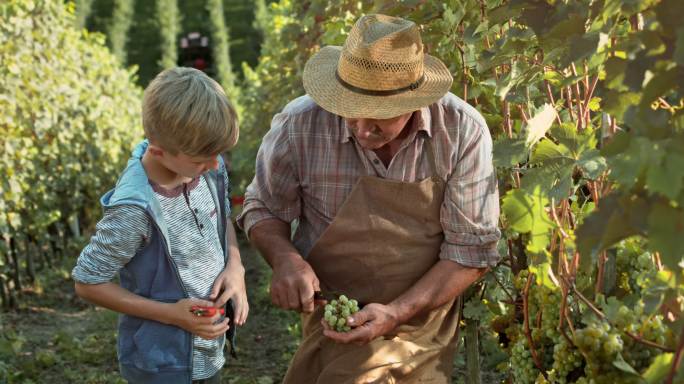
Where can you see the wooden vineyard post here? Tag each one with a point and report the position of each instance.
(471, 338)
(472, 347)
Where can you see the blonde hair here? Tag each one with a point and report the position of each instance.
(184, 110)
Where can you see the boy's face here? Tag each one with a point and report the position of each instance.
(184, 165)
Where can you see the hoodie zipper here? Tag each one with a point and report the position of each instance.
(185, 292)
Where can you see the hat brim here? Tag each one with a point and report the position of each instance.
(322, 85)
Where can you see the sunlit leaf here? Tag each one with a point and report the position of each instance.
(545, 275)
(658, 369)
(540, 123)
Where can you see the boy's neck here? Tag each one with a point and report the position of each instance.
(159, 174)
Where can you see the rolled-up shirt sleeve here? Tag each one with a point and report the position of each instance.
(122, 231)
(470, 211)
(275, 190)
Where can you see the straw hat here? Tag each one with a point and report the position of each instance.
(380, 72)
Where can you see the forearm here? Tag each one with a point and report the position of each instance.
(234, 258)
(272, 238)
(444, 281)
(116, 298)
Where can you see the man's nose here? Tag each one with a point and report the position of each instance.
(364, 128)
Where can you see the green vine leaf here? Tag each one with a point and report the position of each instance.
(616, 218)
(525, 213)
(592, 164)
(476, 310)
(666, 177)
(665, 228)
(624, 366)
(509, 152)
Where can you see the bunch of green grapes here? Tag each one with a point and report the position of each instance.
(652, 329)
(522, 365)
(566, 358)
(549, 301)
(634, 266)
(520, 280)
(337, 312)
(600, 343)
(648, 327)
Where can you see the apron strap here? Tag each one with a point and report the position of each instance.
(427, 142)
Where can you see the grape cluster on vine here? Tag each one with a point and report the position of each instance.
(524, 370)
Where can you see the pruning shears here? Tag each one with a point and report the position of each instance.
(201, 311)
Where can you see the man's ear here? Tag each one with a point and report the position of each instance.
(155, 150)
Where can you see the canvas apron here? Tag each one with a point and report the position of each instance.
(385, 237)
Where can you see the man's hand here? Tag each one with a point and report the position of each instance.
(180, 314)
(230, 284)
(293, 284)
(373, 321)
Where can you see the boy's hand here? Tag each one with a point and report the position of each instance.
(206, 327)
(230, 284)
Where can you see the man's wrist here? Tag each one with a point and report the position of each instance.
(283, 259)
(402, 312)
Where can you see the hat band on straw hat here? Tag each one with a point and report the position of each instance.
(372, 92)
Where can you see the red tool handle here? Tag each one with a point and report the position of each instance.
(199, 310)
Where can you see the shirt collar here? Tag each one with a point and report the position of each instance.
(420, 122)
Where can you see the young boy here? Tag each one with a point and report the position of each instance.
(164, 229)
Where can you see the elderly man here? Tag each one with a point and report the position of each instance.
(390, 178)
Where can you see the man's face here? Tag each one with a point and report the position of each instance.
(376, 133)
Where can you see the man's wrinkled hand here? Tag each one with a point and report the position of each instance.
(293, 284)
(230, 284)
(371, 322)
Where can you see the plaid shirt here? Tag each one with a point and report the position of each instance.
(309, 161)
